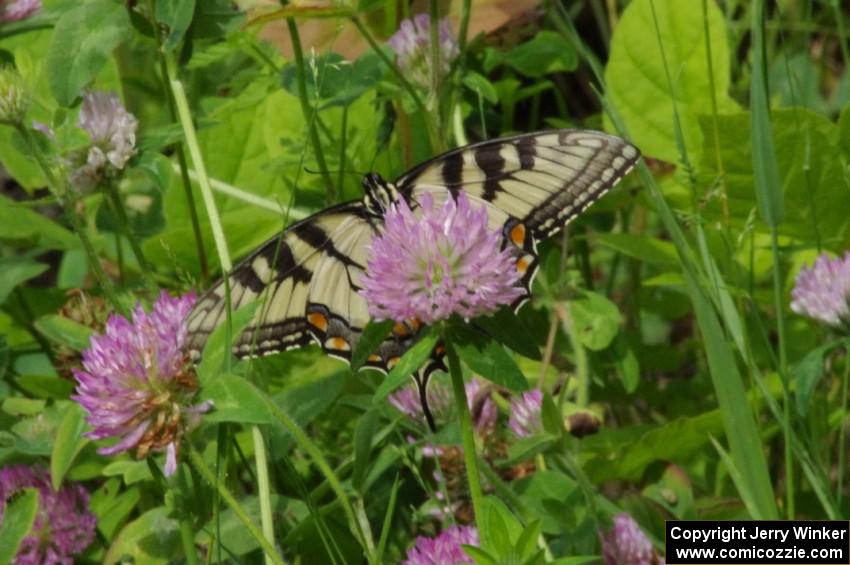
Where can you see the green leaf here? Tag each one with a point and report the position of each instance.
(807, 373)
(372, 337)
(548, 52)
(768, 188)
(18, 519)
(507, 328)
(19, 224)
(498, 527)
(45, 386)
(550, 416)
(526, 546)
(363, 436)
(69, 442)
(809, 160)
(64, 331)
(218, 346)
(528, 447)
(487, 357)
(151, 538)
(20, 406)
(235, 400)
(597, 320)
(480, 556)
(479, 84)
(176, 15)
(83, 40)
(844, 129)
(16, 271)
(637, 82)
(645, 248)
(411, 361)
(112, 505)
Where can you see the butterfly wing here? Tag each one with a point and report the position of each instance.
(279, 274)
(543, 179)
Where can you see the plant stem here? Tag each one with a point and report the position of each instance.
(124, 221)
(310, 114)
(201, 466)
(226, 266)
(466, 432)
(434, 32)
(187, 534)
(263, 487)
(845, 382)
(324, 467)
(68, 199)
(181, 155)
(405, 84)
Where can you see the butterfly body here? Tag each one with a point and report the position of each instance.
(308, 277)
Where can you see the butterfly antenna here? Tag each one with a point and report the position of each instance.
(422, 386)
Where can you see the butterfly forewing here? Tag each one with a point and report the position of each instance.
(543, 179)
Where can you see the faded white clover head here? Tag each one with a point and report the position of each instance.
(112, 130)
(412, 44)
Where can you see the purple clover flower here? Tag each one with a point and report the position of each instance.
(525, 414)
(63, 525)
(112, 130)
(441, 262)
(822, 291)
(18, 10)
(137, 384)
(626, 544)
(412, 44)
(445, 549)
(482, 407)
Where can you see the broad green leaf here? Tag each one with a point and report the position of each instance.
(20, 224)
(16, 271)
(45, 386)
(235, 537)
(637, 82)
(807, 373)
(235, 400)
(83, 40)
(372, 337)
(547, 52)
(69, 442)
(646, 249)
(498, 527)
(411, 361)
(18, 518)
(113, 506)
(809, 160)
(20, 406)
(176, 15)
(844, 129)
(151, 538)
(306, 400)
(479, 84)
(597, 320)
(64, 331)
(528, 447)
(487, 357)
(506, 327)
(131, 472)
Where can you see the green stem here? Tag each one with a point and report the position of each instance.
(405, 84)
(310, 115)
(187, 534)
(839, 494)
(783, 374)
(124, 221)
(325, 469)
(68, 199)
(226, 265)
(466, 431)
(263, 487)
(201, 466)
(434, 29)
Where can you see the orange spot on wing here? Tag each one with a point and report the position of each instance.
(518, 235)
(393, 361)
(400, 329)
(318, 321)
(375, 358)
(522, 265)
(337, 344)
